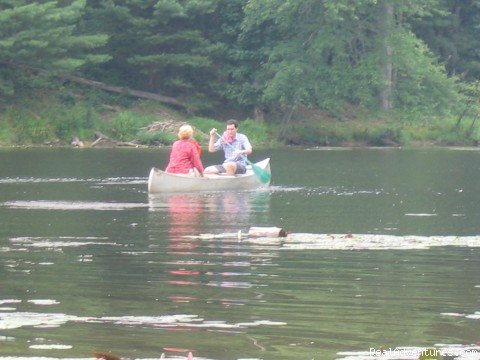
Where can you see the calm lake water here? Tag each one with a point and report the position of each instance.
(90, 262)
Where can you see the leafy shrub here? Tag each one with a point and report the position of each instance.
(126, 125)
(384, 135)
(205, 124)
(76, 120)
(314, 134)
(156, 138)
(33, 130)
(29, 126)
(6, 133)
(258, 133)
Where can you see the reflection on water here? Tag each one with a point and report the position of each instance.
(189, 214)
(186, 216)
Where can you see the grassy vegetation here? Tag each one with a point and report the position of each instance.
(383, 132)
(56, 120)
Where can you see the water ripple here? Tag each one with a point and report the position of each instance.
(59, 242)
(22, 319)
(71, 205)
(104, 181)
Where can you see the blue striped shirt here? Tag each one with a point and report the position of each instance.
(240, 142)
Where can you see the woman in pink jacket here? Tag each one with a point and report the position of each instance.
(185, 154)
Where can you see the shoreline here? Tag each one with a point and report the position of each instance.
(87, 145)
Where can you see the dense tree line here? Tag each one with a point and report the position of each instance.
(261, 56)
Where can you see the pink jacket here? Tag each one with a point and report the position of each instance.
(183, 157)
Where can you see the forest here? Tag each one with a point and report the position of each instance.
(301, 72)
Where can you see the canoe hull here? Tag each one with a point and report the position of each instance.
(162, 182)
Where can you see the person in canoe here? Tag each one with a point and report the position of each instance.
(185, 154)
(236, 147)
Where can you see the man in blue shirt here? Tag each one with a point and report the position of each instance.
(236, 147)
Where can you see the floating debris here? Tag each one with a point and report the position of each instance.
(266, 232)
(306, 241)
(374, 242)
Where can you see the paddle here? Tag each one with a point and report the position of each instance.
(262, 174)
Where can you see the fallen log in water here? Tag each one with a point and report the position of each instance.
(266, 232)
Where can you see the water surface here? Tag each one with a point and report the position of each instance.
(89, 261)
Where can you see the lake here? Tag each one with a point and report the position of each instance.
(382, 254)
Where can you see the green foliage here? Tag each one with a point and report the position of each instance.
(313, 134)
(29, 127)
(200, 104)
(205, 125)
(43, 35)
(332, 132)
(72, 121)
(382, 135)
(126, 125)
(442, 132)
(331, 53)
(452, 33)
(6, 133)
(157, 46)
(156, 138)
(275, 55)
(48, 119)
(258, 133)
(423, 86)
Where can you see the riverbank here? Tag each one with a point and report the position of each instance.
(144, 124)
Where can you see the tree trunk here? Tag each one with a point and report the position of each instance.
(100, 85)
(286, 121)
(123, 90)
(386, 23)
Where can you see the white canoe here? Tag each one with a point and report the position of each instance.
(161, 182)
